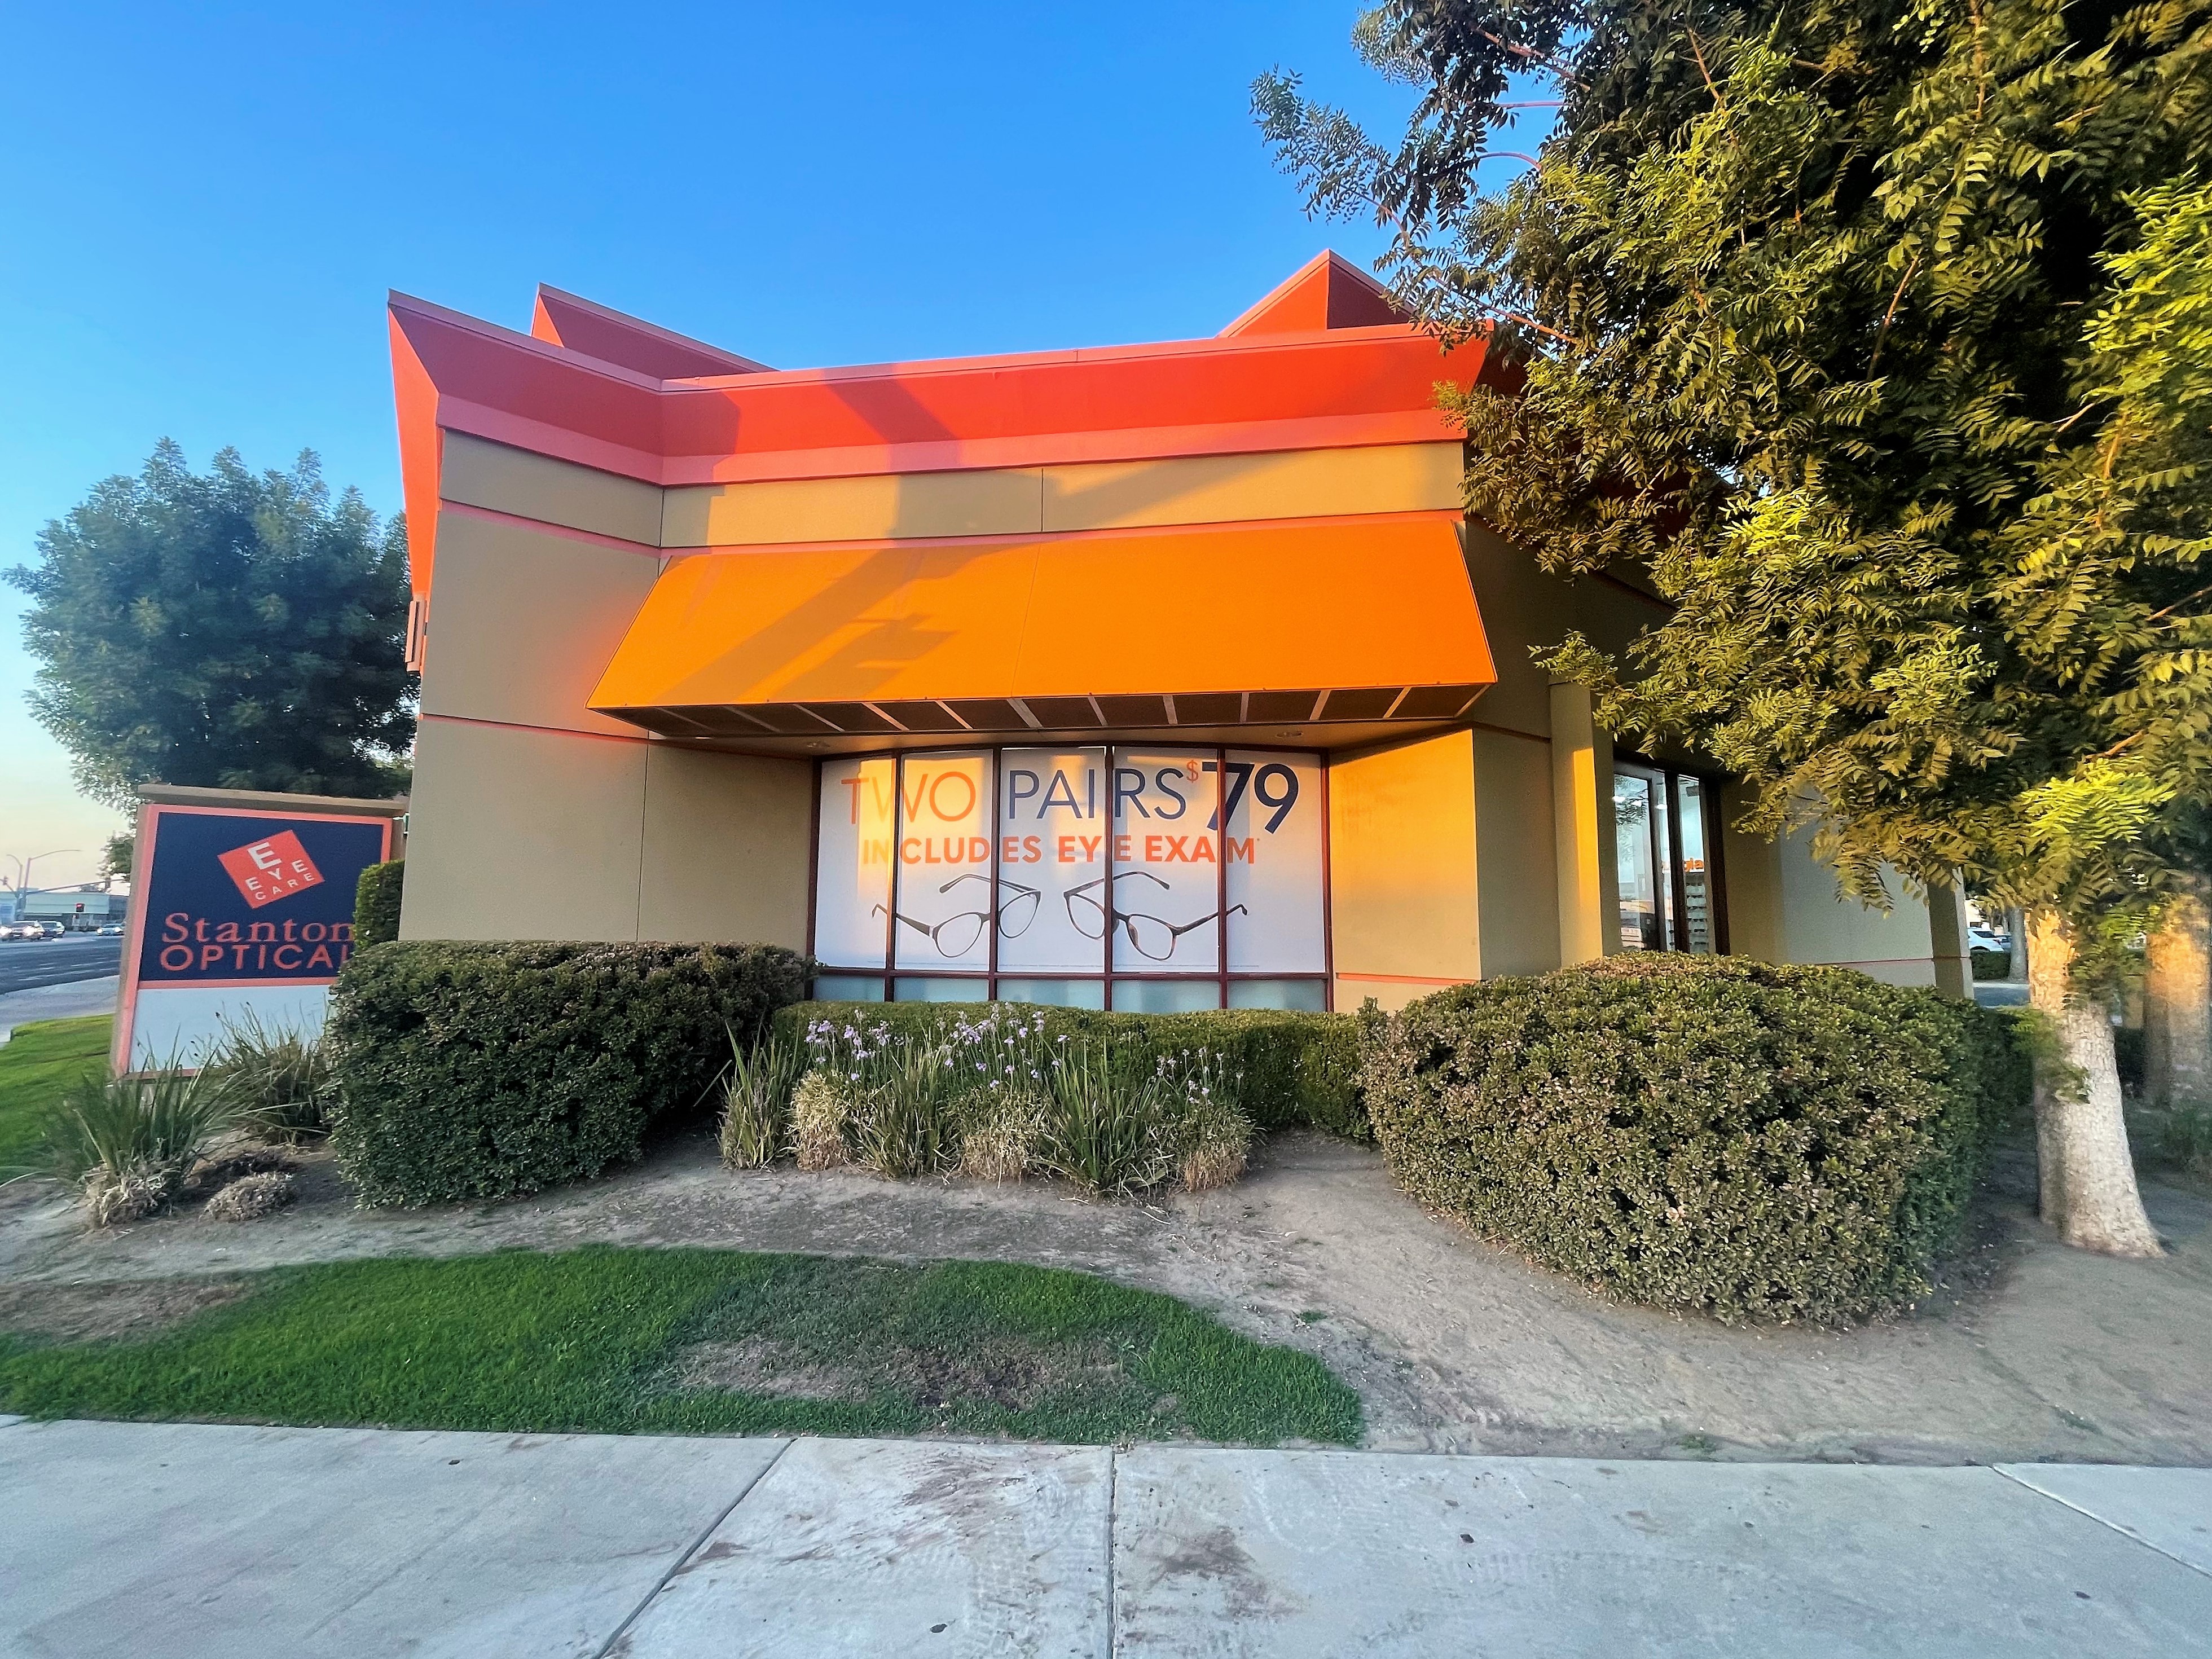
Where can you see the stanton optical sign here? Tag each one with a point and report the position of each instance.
(237, 914)
(1072, 861)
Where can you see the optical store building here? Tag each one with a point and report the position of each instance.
(1156, 678)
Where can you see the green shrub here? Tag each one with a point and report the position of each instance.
(1753, 1141)
(478, 1071)
(1992, 965)
(1298, 1068)
(376, 903)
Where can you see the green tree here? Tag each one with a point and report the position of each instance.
(1878, 334)
(228, 629)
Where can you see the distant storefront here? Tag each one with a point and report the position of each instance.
(1158, 676)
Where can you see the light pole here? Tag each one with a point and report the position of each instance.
(23, 873)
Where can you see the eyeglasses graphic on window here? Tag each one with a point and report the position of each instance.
(956, 935)
(1149, 936)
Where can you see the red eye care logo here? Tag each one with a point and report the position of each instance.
(266, 870)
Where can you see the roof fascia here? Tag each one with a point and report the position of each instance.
(545, 325)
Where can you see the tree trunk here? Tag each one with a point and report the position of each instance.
(2088, 1181)
(2016, 931)
(2178, 1003)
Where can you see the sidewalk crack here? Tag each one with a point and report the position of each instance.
(2068, 1502)
(697, 1544)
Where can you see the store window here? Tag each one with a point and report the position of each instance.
(1152, 879)
(1666, 836)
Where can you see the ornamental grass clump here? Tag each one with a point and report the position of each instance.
(904, 1123)
(997, 1095)
(1215, 1135)
(282, 1084)
(1747, 1140)
(756, 1093)
(1105, 1131)
(127, 1143)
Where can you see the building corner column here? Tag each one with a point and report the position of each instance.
(1949, 940)
(1581, 820)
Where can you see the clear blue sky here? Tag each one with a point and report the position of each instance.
(204, 206)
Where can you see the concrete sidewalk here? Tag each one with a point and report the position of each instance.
(188, 1540)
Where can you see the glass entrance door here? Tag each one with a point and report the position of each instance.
(1665, 861)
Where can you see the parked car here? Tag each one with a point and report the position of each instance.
(1988, 938)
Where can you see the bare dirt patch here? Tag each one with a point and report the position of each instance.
(2026, 1349)
(932, 1378)
(760, 1364)
(96, 1312)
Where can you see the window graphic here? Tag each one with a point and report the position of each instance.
(1049, 867)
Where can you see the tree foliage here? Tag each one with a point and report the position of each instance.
(228, 629)
(1878, 334)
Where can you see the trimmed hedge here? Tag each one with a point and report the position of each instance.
(484, 1070)
(1299, 1068)
(1753, 1141)
(376, 903)
(1991, 964)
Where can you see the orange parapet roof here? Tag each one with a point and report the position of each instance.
(1324, 361)
(1328, 291)
(1369, 619)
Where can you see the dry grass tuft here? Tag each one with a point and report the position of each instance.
(821, 1116)
(253, 1196)
(1001, 1143)
(113, 1197)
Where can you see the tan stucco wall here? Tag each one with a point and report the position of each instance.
(505, 480)
(1522, 607)
(1025, 500)
(726, 847)
(1225, 489)
(1404, 897)
(524, 622)
(1516, 867)
(518, 833)
(1783, 905)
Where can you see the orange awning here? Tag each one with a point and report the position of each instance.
(1353, 619)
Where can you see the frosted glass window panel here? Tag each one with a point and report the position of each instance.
(848, 988)
(1054, 993)
(852, 868)
(1052, 841)
(1273, 860)
(945, 897)
(1166, 900)
(1166, 996)
(1306, 995)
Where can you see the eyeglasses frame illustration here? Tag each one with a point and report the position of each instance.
(997, 914)
(1129, 919)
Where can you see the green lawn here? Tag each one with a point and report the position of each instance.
(699, 1341)
(36, 1064)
